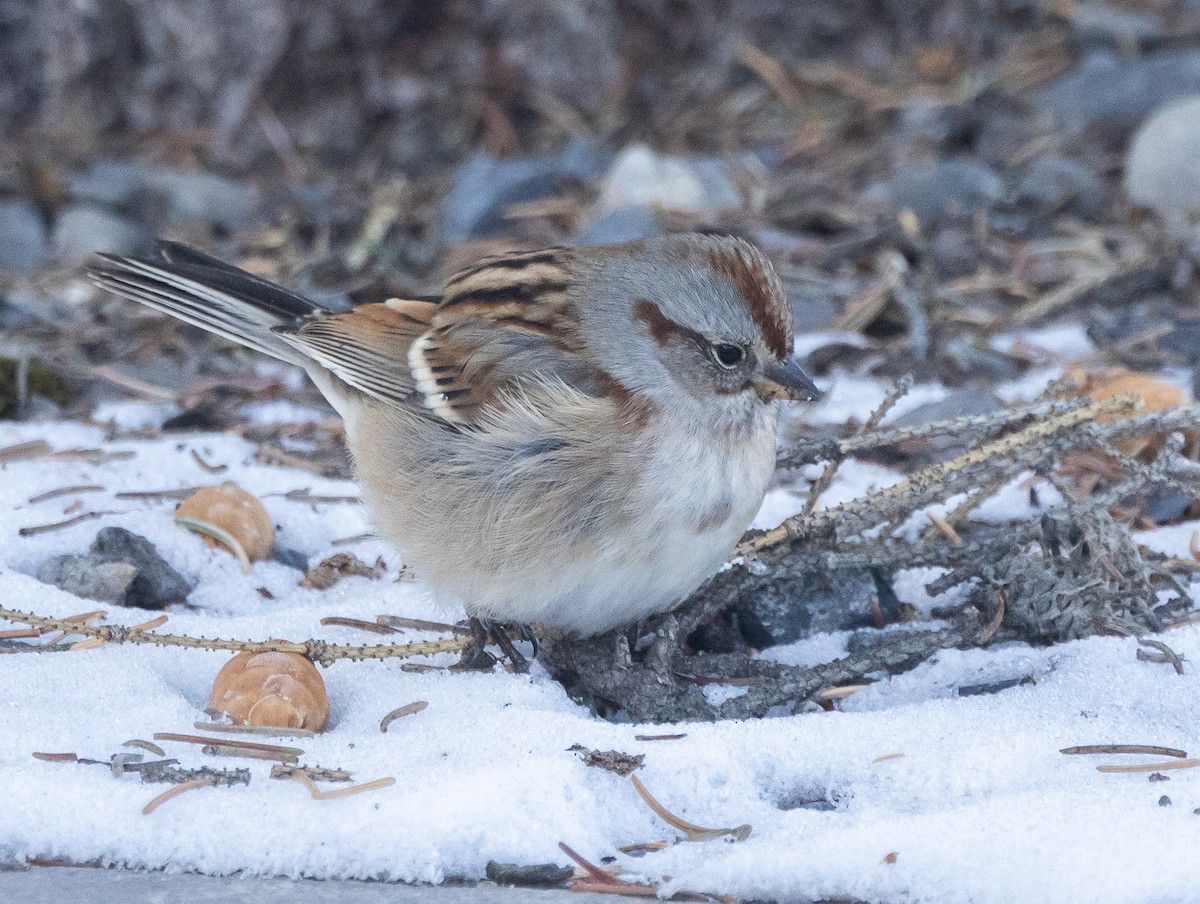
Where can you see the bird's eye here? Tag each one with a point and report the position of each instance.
(727, 354)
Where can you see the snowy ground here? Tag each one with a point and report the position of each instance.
(970, 794)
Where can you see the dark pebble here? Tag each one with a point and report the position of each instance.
(945, 189)
(1058, 184)
(1120, 93)
(22, 236)
(539, 875)
(157, 584)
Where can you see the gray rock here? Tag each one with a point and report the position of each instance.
(823, 601)
(157, 584)
(1162, 169)
(81, 230)
(197, 195)
(1056, 183)
(22, 236)
(959, 403)
(955, 252)
(109, 183)
(641, 177)
(1120, 93)
(89, 577)
(947, 188)
(1103, 21)
(487, 186)
(622, 225)
(171, 196)
(293, 558)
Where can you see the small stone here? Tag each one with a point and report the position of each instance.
(1105, 22)
(539, 875)
(642, 177)
(1060, 184)
(156, 584)
(109, 183)
(624, 224)
(955, 252)
(192, 195)
(89, 577)
(1164, 801)
(819, 602)
(486, 186)
(958, 403)
(80, 231)
(1162, 170)
(1158, 777)
(22, 236)
(945, 189)
(1118, 93)
(292, 558)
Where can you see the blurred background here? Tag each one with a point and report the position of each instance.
(942, 184)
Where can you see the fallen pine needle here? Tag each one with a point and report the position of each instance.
(1151, 749)
(21, 633)
(228, 742)
(406, 710)
(599, 874)
(644, 847)
(420, 624)
(145, 745)
(152, 624)
(373, 627)
(946, 528)
(693, 832)
(628, 889)
(56, 757)
(64, 491)
(175, 792)
(234, 750)
(265, 731)
(839, 693)
(60, 525)
(90, 644)
(318, 794)
(1152, 767)
(886, 757)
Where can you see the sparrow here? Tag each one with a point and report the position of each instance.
(572, 437)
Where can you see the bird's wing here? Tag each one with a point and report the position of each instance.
(366, 348)
(504, 321)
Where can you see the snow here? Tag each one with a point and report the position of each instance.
(980, 806)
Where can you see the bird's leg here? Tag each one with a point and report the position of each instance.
(475, 656)
(519, 663)
(531, 638)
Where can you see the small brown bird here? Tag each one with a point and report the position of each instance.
(572, 436)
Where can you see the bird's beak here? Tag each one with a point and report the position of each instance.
(785, 380)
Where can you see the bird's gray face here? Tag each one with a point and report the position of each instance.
(707, 315)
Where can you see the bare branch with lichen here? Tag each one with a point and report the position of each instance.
(317, 650)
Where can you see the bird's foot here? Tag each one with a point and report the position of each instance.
(475, 657)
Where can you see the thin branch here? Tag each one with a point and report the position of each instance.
(316, 650)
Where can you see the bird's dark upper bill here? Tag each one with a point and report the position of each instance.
(786, 380)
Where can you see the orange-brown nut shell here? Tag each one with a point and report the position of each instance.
(284, 690)
(1155, 395)
(232, 509)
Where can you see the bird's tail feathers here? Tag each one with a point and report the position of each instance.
(210, 294)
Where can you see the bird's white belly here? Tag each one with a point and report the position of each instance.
(694, 505)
